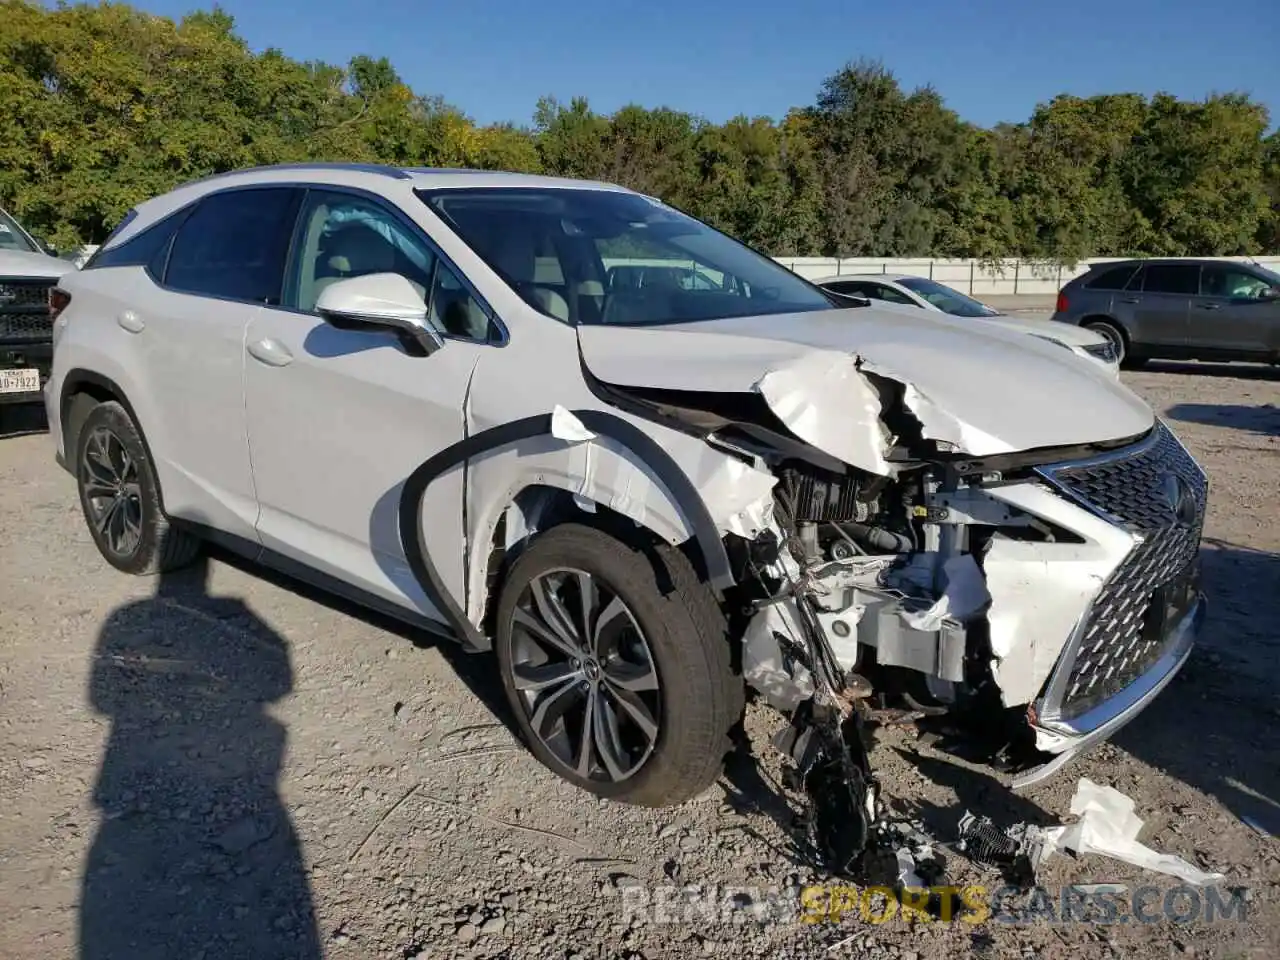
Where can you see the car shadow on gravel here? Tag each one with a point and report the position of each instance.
(1263, 419)
(196, 855)
(1216, 727)
(1233, 371)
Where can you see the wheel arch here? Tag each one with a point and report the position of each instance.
(704, 544)
(80, 383)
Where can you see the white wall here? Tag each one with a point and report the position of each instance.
(970, 276)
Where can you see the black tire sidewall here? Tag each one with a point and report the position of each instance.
(695, 682)
(113, 417)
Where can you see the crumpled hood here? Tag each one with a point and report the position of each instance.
(19, 263)
(980, 387)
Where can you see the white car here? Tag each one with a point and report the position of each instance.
(27, 274)
(908, 291)
(442, 393)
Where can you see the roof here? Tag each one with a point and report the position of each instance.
(380, 178)
(890, 277)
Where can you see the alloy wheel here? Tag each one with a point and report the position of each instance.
(1112, 334)
(584, 673)
(112, 492)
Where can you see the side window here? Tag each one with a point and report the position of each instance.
(341, 236)
(234, 245)
(1114, 279)
(1175, 278)
(847, 287)
(881, 292)
(1231, 284)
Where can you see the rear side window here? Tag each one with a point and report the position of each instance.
(147, 249)
(1176, 278)
(846, 287)
(234, 244)
(1117, 278)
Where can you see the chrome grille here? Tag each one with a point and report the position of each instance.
(1135, 489)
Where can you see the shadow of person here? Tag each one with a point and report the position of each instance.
(195, 855)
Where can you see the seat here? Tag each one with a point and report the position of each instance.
(515, 256)
(354, 251)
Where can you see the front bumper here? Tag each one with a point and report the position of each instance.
(1067, 740)
(1139, 629)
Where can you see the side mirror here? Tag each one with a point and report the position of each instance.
(380, 301)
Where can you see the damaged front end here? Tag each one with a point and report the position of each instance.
(908, 561)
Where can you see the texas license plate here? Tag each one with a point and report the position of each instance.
(19, 381)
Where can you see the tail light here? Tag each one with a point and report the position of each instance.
(58, 300)
(1062, 302)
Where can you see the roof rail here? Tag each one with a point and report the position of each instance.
(381, 169)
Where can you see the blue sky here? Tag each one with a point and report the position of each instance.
(992, 60)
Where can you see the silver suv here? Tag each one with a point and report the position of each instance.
(643, 464)
(1178, 309)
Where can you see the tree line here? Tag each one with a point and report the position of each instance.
(102, 106)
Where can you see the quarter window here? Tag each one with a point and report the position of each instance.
(234, 246)
(1114, 279)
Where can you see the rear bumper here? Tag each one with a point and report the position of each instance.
(25, 355)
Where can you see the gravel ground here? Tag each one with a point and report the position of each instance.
(221, 765)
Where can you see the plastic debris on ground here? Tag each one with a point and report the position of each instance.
(1109, 826)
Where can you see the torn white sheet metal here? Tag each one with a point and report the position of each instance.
(964, 594)
(825, 401)
(1039, 591)
(1109, 826)
(762, 660)
(939, 422)
(738, 496)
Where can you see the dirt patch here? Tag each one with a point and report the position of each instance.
(222, 765)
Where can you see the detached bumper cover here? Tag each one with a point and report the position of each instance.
(1139, 631)
(1070, 739)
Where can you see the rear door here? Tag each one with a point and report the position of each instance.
(1158, 299)
(1234, 315)
(224, 264)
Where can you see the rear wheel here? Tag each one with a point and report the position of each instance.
(620, 685)
(120, 497)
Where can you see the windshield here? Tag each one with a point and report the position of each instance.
(610, 257)
(946, 299)
(12, 236)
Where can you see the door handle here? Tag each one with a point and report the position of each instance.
(1128, 299)
(1208, 306)
(271, 352)
(131, 322)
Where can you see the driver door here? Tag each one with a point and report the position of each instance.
(339, 418)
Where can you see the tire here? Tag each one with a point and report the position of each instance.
(671, 637)
(111, 464)
(1105, 328)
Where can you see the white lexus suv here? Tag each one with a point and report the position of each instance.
(643, 464)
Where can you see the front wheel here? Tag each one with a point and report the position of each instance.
(619, 685)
